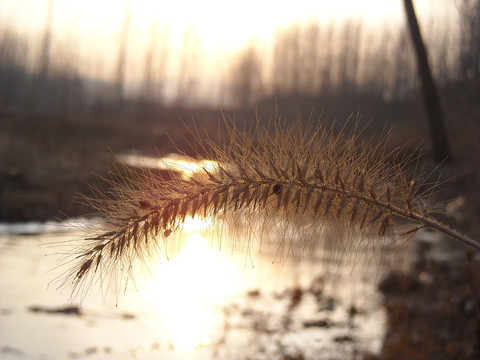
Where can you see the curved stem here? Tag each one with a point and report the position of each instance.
(447, 231)
(431, 223)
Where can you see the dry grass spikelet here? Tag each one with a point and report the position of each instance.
(299, 179)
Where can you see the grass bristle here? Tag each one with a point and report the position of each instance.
(303, 176)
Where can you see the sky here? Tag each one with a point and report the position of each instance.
(222, 25)
(88, 32)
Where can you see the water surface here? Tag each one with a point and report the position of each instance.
(201, 304)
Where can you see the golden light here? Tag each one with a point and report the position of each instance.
(209, 165)
(188, 168)
(188, 287)
(174, 162)
(196, 224)
(96, 26)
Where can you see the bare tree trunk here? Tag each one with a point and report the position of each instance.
(187, 78)
(469, 57)
(41, 84)
(431, 100)
(122, 54)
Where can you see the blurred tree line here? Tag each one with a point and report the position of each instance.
(308, 58)
(344, 58)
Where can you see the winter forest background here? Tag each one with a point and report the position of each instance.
(59, 68)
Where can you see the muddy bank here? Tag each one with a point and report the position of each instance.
(48, 161)
(433, 312)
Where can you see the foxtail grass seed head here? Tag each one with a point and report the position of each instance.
(299, 180)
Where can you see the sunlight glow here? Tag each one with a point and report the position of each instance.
(189, 287)
(186, 289)
(172, 162)
(196, 224)
(189, 168)
(97, 25)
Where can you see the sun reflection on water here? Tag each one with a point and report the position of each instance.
(190, 286)
(189, 168)
(181, 164)
(186, 289)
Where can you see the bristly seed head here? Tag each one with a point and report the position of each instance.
(291, 176)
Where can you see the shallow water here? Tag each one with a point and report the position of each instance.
(213, 305)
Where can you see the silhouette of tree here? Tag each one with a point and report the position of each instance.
(431, 99)
(187, 78)
(246, 83)
(469, 58)
(122, 53)
(41, 86)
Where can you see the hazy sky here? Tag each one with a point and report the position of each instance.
(88, 32)
(221, 24)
